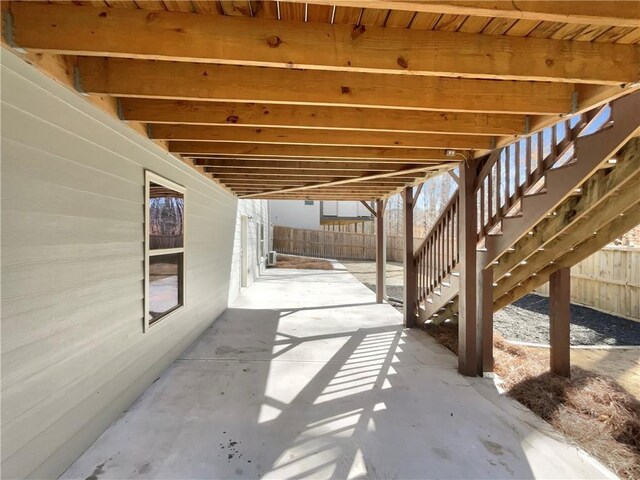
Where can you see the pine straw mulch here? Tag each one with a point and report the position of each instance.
(592, 410)
(302, 263)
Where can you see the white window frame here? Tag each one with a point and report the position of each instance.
(150, 177)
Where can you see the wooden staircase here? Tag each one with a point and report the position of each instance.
(545, 202)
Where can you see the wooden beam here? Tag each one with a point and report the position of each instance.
(193, 81)
(355, 180)
(368, 207)
(319, 117)
(264, 184)
(417, 192)
(327, 153)
(410, 310)
(183, 37)
(469, 355)
(315, 197)
(277, 178)
(323, 187)
(560, 319)
(301, 165)
(266, 173)
(620, 13)
(299, 136)
(381, 253)
(329, 175)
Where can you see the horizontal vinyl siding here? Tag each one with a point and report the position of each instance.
(73, 352)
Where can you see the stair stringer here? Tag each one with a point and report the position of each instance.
(436, 302)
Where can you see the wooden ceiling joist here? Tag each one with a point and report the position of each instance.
(293, 173)
(192, 81)
(217, 39)
(268, 135)
(621, 13)
(352, 180)
(240, 179)
(319, 117)
(310, 164)
(415, 155)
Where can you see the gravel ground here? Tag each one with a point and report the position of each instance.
(394, 291)
(527, 320)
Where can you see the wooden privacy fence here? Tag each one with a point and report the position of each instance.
(608, 280)
(338, 245)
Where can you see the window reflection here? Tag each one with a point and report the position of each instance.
(165, 292)
(166, 217)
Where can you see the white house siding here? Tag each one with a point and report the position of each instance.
(74, 355)
(256, 212)
(294, 213)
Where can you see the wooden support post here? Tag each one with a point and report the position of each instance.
(560, 317)
(409, 269)
(469, 355)
(381, 253)
(484, 306)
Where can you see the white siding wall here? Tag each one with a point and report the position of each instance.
(345, 209)
(73, 352)
(257, 212)
(294, 213)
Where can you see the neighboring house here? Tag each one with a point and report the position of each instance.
(295, 213)
(310, 214)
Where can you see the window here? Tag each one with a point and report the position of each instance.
(262, 253)
(308, 202)
(164, 248)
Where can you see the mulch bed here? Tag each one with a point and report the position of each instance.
(302, 263)
(592, 410)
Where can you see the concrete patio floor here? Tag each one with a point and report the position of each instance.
(305, 376)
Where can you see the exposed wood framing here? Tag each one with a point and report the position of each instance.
(183, 37)
(301, 164)
(618, 226)
(229, 92)
(300, 136)
(347, 181)
(410, 310)
(560, 319)
(193, 81)
(319, 117)
(622, 13)
(469, 355)
(598, 189)
(484, 310)
(381, 252)
(416, 155)
(417, 192)
(368, 207)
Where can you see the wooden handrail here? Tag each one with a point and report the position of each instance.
(497, 195)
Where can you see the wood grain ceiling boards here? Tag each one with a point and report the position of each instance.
(307, 133)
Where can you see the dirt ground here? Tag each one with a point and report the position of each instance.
(621, 364)
(302, 263)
